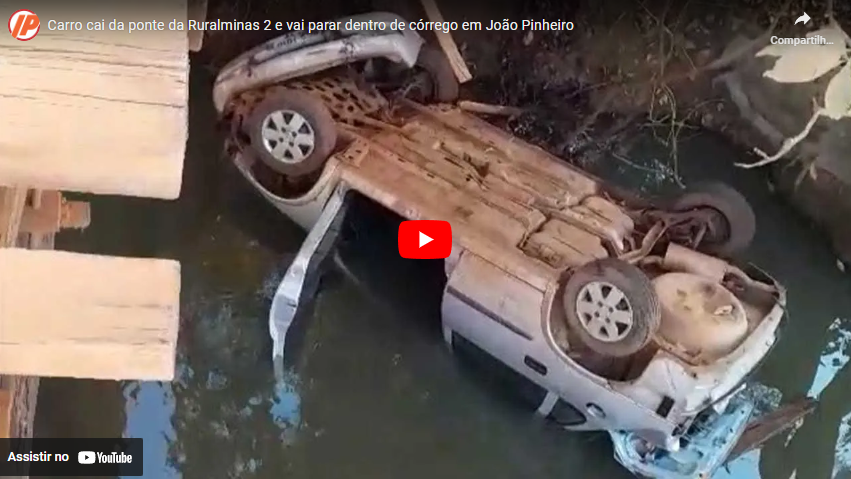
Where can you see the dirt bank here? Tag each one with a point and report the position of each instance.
(672, 66)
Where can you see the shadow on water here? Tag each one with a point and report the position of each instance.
(375, 393)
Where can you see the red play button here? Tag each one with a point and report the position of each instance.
(425, 239)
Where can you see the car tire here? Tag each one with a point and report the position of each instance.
(611, 307)
(444, 84)
(292, 132)
(737, 218)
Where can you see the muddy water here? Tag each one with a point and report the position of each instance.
(373, 393)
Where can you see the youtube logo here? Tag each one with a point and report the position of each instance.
(425, 239)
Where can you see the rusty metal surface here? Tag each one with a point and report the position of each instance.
(550, 211)
(544, 209)
(347, 100)
(563, 219)
(701, 320)
(680, 258)
(687, 228)
(648, 242)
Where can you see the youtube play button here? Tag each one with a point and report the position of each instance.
(425, 239)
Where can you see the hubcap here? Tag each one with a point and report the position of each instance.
(604, 311)
(287, 136)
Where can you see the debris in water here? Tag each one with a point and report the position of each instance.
(489, 109)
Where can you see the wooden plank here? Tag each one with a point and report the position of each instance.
(53, 214)
(99, 324)
(5, 414)
(12, 203)
(35, 198)
(21, 392)
(197, 10)
(76, 215)
(41, 241)
(447, 43)
(44, 218)
(96, 111)
(769, 426)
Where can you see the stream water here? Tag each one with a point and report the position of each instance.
(374, 393)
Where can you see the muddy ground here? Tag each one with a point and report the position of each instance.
(626, 67)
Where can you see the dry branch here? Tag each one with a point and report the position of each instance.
(489, 109)
(447, 43)
(787, 146)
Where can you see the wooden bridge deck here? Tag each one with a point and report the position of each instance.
(91, 112)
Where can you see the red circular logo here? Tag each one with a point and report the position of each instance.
(24, 25)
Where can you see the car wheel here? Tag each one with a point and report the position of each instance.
(733, 224)
(292, 132)
(443, 85)
(611, 307)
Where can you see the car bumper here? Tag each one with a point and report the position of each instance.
(301, 280)
(704, 448)
(292, 56)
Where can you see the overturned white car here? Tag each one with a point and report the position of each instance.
(622, 314)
